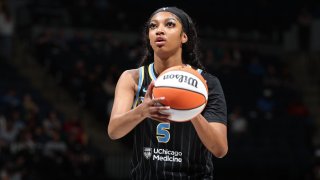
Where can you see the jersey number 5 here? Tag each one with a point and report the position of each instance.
(163, 134)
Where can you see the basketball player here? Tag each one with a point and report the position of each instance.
(164, 149)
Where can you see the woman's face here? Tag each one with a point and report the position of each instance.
(165, 33)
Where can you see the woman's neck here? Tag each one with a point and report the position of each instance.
(161, 63)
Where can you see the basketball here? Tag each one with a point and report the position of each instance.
(185, 91)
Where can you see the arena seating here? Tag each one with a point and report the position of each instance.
(270, 129)
(265, 108)
(36, 141)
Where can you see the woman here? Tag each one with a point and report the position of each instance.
(164, 149)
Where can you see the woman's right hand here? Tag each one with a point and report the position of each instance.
(152, 107)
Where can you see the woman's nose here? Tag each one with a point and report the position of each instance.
(160, 30)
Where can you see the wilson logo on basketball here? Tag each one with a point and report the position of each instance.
(182, 79)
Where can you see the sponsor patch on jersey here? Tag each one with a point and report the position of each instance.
(159, 154)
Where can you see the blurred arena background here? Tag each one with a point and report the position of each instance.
(60, 60)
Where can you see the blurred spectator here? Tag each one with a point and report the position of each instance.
(52, 122)
(55, 145)
(29, 105)
(9, 172)
(9, 132)
(24, 143)
(15, 115)
(40, 136)
(73, 128)
(6, 30)
(266, 103)
(10, 99)
(238, 123)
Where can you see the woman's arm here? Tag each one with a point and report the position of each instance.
(123, 119)
(213, 135)
(211, 123)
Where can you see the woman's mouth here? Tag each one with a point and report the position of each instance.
(160, 41)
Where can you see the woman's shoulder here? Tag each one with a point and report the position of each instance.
(131, 72)
(130, 75)
(213, 81)
(208, 76)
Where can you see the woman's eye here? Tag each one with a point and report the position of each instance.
(171, 24)
(152, 25)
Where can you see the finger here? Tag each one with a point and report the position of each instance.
(157, 101)
(160, 109)
(160, 113)
(165, 111)
(149, 90)
(161, 118)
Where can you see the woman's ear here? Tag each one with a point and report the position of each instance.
(184, 38)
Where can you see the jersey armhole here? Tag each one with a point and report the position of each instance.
(141, 77)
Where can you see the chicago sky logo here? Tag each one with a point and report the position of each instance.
(144, 90)
(147, 152)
